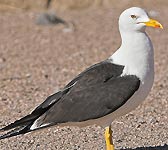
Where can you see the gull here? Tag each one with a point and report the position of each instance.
(104, 91)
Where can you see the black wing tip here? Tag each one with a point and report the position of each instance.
(8, 127)
(5, 128)
(7, 135)
(16, 131)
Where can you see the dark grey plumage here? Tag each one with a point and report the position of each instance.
(96, 92)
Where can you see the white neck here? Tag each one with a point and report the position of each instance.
(136, 54)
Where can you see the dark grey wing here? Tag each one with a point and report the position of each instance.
(106, 69)
(100, 72)
(98, 92)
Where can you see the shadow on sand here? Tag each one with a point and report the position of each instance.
(165, 147)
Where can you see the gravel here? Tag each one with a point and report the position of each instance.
(36, 61)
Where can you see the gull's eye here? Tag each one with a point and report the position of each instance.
(133, 17)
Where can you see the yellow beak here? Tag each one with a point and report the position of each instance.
(153, 23)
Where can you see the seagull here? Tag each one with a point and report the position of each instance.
(104, 91)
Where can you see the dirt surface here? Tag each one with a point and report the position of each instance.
(75, 4)
(37, 60)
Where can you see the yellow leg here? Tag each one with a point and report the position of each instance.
(108, 138)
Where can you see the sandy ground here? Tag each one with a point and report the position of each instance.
(36, 60)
